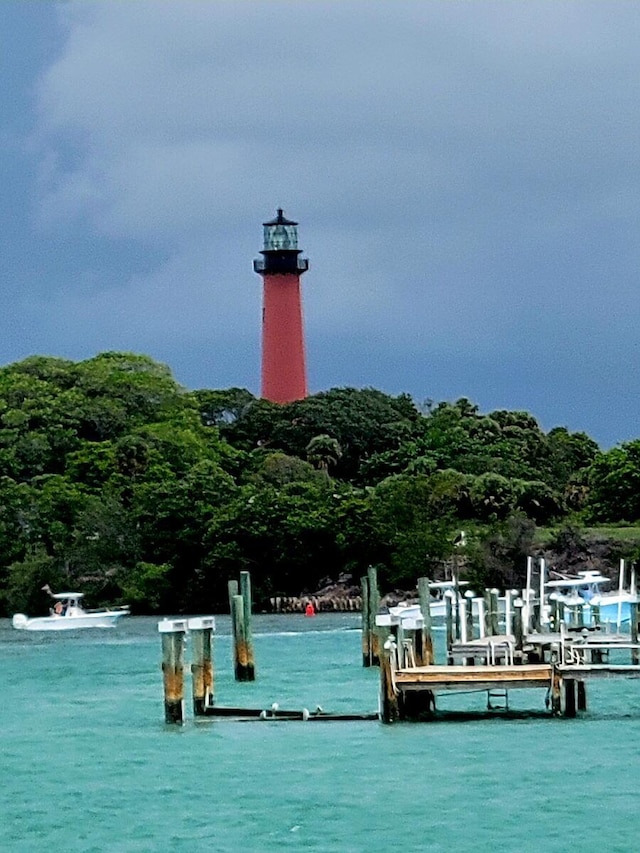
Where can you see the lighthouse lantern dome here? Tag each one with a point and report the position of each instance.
(280, 234)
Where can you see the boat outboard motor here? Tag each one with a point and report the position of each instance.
(19, 620)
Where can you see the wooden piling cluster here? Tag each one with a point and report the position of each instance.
(240, 607)
(173, 633)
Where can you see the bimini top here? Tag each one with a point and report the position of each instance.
(586, 579)
(61, 595)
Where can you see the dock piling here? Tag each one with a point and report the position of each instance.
(245, 592)
(374, 606)
(201, 629)
(426, 656)
(366, 634)
(389, 708)
(173, 633)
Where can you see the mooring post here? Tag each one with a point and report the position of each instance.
(542, 565)
(486, 613)
(448, 605)
(245, 592)
(493, 615)
(508, 611)
(172, 632)
(425, 608)
(241, 667)
(633, 628)
(366, 634)
(389, 705)
(581, 688)
(469, 596)
(374, 606)
(556, 681)
(518, 624)
(201, 629)
(569, 697)
(482, 621)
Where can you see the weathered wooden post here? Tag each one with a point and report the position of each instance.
(493, 613)
(569, 697)
(526, 612)
(486, 612)
(245, 592)
(201, 629)
(389, 706)
(425, 608)
(468, 613)
(374, 606)
(509, 595)
(518, 625)
(242, 670)
(173, 632)
(482, 617)
(554, 610)
(232, 590)
(556, 681)
(449, 621)
(633, 628)
(542, 566)
(366, 634)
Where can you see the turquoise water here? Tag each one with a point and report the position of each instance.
(88, 764)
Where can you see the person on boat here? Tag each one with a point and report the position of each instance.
(310, 610)
(58, 608)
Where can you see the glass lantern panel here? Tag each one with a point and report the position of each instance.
(280, 236)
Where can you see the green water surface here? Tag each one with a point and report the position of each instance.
(87, 763)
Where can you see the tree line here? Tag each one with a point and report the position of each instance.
(117, 480)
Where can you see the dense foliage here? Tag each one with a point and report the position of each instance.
(115, 479)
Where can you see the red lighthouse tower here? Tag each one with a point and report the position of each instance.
(284, 370)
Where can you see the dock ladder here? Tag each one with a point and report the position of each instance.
(498, 699)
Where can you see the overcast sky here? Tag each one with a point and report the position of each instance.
(465, 175)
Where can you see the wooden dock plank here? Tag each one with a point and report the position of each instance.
(475, 677)
(599, 670)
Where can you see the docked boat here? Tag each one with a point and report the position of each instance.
(68, 614)
(437, 603)
(585, 591)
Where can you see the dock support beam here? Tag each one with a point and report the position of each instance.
(173, 632)
(581, 689)
(201, 629)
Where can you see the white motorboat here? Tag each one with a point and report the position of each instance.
(68, 614)
(437, 603)
(584, 590)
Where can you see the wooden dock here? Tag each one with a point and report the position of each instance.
(560, 661)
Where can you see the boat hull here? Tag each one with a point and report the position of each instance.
(108, 619)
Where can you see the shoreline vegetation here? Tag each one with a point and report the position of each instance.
(117, 481)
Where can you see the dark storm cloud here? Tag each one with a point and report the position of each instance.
(465, 174)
